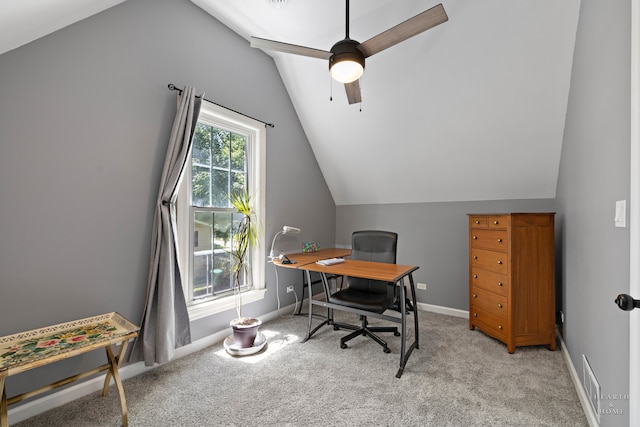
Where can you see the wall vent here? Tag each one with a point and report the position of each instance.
(591, 386)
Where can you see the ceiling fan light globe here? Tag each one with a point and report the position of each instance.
(346, 64)
(346, 71)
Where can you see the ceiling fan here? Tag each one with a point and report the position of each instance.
(346, 57)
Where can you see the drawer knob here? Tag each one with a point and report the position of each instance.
(499, 305)
(475, 257)
(499, 283)
(475, 237)
(477, 222)
(475, 314)
(500, 327)
(475, 295)
(500, 262)
(499, 240)
(495, 222)
(475, 276)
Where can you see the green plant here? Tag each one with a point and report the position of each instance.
(244, 237)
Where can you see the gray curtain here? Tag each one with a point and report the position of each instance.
(165, 322)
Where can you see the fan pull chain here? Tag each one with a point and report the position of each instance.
(330, 88)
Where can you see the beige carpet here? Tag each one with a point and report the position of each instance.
(458, 377)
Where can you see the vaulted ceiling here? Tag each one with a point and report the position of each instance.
(472, 109)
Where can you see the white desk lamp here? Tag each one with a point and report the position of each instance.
(285, 230)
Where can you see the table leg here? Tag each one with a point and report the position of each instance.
(327, 292)
(4, 416)
(415, 309)
(301, 298)
(310, 305)
(114, 364)
(403, 333)
(329, 319)
(404, 356)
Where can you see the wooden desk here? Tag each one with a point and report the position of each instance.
(393, 273)
(28, 350)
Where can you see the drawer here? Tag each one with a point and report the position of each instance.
(489, 323)
(489, 260)
(498, 222)
(489, 239)
(477, 221)
(489, 280)
(492, 303)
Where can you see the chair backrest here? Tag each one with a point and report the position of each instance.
(373, 245)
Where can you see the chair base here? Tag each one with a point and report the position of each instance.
(366, 331)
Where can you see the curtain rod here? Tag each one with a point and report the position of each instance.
(271, 125)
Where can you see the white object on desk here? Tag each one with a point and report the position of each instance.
(330, 261)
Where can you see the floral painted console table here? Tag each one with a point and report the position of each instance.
(27, 350)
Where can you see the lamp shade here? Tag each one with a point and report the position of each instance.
(346, 64)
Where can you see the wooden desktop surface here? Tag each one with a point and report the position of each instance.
(301, 259)
(364, 269)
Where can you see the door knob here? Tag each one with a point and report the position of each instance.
(626, 302)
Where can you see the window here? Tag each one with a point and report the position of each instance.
(228, 155)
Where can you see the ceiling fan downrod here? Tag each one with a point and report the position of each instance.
(347, 23)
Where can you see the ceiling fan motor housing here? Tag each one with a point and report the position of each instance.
(346, 50)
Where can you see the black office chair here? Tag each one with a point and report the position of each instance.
(366, 294)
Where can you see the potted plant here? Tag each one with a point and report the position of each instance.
(244, 329)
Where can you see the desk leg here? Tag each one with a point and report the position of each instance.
(310, 305)
(403, 332)
(114, 364)
(404, 356)
(327, 293)
(299, 310)
(415, 309)
(4, 416)
(329, 319)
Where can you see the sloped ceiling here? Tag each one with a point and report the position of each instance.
(473, 109)
(23, 21)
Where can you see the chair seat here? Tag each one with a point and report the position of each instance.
(376, 303)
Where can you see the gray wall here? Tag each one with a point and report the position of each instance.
(433, 236)
(86, 117)
(594, 173)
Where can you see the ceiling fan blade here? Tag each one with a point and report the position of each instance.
(353, 92)
(289, 48)
(401, 32)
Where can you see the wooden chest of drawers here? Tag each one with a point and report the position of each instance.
(512, 278)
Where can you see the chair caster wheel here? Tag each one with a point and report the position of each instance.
(397, 334)
(386, 350)
(343, 345)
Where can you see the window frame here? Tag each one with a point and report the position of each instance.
(255, 131)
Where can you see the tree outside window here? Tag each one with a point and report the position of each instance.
(219, 167)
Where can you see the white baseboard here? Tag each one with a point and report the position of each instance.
(443, 310)
(582, 394)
